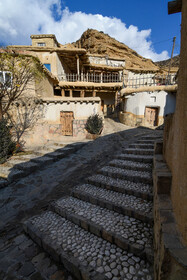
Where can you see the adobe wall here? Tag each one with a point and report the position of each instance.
(175, 138)
(50, 128)
(134, 107)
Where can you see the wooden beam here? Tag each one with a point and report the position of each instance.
(174, 7)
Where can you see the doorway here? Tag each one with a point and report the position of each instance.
(151, 116)
(66, 120)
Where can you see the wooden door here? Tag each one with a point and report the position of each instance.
(151, 116)
(66, 119)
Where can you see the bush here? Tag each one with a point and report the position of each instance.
(7, 146)
(94, 124)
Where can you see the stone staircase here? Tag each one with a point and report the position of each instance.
(104, 229)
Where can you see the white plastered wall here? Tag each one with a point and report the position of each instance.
(81, 110)
(164, 101)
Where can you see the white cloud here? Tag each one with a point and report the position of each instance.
(23, 18)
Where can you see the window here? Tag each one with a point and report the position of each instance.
(41, 44)
(48, 66)
(5, 78)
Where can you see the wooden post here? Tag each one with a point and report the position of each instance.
(82, 93)
(78, 68)
(62, 92)
(70, 93)
(94, 93)
(116, 98)
(101, 77)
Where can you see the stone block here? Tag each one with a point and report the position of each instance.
(107, 235)
(171, 241)
(121, 242)
(94, 229)
(158, 147)
(84, 225)
(71, 265)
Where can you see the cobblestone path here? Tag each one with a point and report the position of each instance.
(104, 229)
(96, 220)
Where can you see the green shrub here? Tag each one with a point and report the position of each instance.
(7, 146)
(94, 124)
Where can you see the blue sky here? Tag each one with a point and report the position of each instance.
(143, 25)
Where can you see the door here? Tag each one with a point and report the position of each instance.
(66, 119)
(151, 116)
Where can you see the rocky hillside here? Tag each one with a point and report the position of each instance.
(98, 42)
(166, 63)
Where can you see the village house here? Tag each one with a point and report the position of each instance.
(148, 97)
(87, 83)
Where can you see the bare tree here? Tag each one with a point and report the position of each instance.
(23, 115)
(17, 73)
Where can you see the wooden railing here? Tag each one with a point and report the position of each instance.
(150, 80)
(92, 77)
(132, 82)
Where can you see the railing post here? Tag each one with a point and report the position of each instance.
(101, 77)
(62, 92)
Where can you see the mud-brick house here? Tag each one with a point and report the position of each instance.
(87, 84)
(148, 97)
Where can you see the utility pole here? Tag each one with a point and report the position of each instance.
(174, 39)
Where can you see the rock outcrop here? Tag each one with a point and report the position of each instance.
(96, 42)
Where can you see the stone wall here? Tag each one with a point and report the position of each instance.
(175, 138)
(79, 128)
(170, 254)
(131, 119)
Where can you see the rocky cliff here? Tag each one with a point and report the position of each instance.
(96, 42)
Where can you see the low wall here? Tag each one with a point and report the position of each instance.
(49, 127)
(131, 119)
(170, 254)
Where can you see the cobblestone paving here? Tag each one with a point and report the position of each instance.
(131, 165)
(91, 250)
(141, 146)
(132, 175)
(21, 258)
(140, 158)
(121, 199)
(139, 151)
(124, 184)
(129, 228)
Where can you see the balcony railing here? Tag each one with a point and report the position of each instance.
(92, 78)
(134, 82)
(150, 80)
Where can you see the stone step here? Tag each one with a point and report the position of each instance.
(126, 232)
(130, 175)
(142, 146)
(141, 190)
(145, 141)
(10, 174)
(115, 201)
(151, 137)
(3, 182)
(58, 153)
(131, 165)
(27, 167)
(137, 158)
(138, 151)
(42, 161)
(84, 254)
